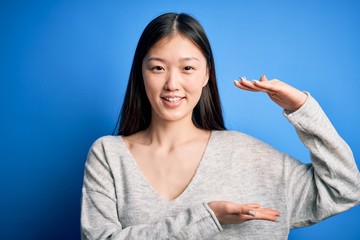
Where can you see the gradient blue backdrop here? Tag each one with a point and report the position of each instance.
(64, 67)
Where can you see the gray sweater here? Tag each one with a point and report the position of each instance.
(118, 203)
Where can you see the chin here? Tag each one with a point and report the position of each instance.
(174, 117)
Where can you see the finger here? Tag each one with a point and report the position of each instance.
(243, 87)
(268, 86)
(264, 214)
(235, 208)
(250, 84)
(252, 205)
(254, 209)
(249, 209)
(252, 213)
(269, 211)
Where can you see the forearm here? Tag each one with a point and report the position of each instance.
(334, 174)
(100, 221)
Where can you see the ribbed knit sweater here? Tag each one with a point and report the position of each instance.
(118, 202)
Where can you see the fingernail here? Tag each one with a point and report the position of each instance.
(252, 213)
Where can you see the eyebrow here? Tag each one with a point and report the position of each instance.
(181, 59)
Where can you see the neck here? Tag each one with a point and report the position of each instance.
(169, 134)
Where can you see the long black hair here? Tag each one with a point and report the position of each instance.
(135, 113)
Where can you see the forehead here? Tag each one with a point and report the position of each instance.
(175, 44)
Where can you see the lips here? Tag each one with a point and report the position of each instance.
(173, 99)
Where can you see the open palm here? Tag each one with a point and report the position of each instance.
(281, 93)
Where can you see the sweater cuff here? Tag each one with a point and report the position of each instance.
(308, 110)
(213, 216)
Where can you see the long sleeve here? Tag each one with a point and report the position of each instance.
(100, 215)
(118, 203)
(331, 184)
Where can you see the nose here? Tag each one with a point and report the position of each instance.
(172, 81)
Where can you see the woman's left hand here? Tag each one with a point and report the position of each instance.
(281, 93)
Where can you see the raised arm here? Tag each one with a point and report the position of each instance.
(331, 184)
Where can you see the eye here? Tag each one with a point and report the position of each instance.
(188, 68)
(157, 69)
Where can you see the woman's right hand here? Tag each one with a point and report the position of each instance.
(234, 213)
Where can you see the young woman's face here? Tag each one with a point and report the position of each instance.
(174, 72)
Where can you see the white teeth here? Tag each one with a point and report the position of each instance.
(173, 100)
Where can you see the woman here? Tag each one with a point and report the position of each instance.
(174, 172)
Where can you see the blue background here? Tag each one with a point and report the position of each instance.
(64, 66)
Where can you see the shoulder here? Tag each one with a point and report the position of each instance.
(245, 150)
(241, 143)
(108, 139)
(107, 143)
(235, 137)
(106, 150)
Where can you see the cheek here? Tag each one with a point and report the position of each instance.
(196, 84)
(149, 88)
(152, 88)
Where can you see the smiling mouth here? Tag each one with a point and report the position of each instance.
(173, 99)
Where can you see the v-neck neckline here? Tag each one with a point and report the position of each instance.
(190, 185)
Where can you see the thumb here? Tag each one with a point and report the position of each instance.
(263, 78)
